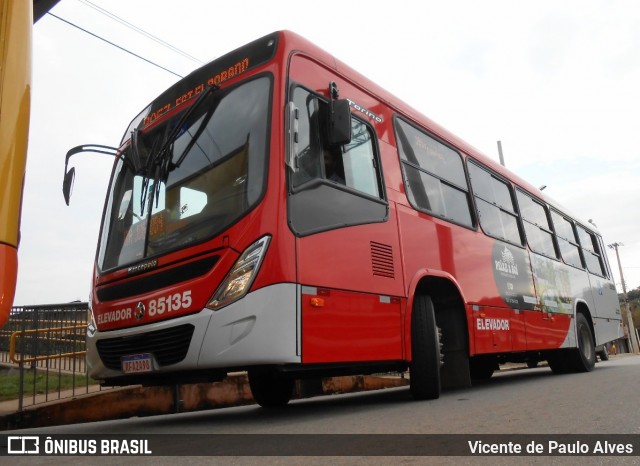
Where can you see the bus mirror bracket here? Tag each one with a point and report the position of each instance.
(70, 173)
(339, 118)
(293, 115)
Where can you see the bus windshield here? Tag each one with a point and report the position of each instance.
(175, 186)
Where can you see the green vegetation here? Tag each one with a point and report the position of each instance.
(10, 383)
(633, 297)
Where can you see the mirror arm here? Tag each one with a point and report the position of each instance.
(89, 148)
(334, 93)
(293, 115)
(69, 175)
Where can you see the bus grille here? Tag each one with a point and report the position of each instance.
(157, 280)
(169, 346)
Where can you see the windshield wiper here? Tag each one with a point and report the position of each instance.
(159, 163)
(135, 153)
(194, 140)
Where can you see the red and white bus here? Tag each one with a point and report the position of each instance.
(277, 212)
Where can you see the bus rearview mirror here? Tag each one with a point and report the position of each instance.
(339, 123)
(67, 184)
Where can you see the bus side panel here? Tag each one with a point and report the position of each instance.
(558, 287)
(343, 326)
(607, 330)
(435, 245)
(546, 330)
(361, 314)
(493, 329)
(607, 318)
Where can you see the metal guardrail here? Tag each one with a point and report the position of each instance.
(13, 355)
(47, 344)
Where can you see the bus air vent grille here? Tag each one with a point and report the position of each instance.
(168, 346)
(382, 260)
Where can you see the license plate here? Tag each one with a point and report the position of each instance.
(136, 363)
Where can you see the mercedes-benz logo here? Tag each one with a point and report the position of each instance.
(140, 310)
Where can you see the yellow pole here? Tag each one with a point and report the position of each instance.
(16, 19)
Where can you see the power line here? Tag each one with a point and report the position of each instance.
(115, 45)
(140, 31)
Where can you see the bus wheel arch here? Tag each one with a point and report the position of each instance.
(451, 322)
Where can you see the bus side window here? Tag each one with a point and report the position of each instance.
(310, 149)
(434, 175)
(496, 209)
(591, 252)
(604, 258)
(334, 185)
(353, 165)
(536, 225)
(567, 241)
(359, 161)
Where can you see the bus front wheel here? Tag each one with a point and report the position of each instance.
(424, 381)
(270, 389)
(482, 368)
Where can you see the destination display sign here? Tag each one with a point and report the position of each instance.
(215, 73)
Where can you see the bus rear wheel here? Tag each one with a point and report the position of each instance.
(580, 359)
(424, 379)
(585, 354)
(270, 389)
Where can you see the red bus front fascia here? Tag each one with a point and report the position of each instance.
(267, 217)
(191, 295)
(182, 297)
(165, 302)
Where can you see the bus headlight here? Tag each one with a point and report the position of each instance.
(238, 281)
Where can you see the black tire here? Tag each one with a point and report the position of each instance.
(585, 354)
(270, 389)
(558, 362)
(482, 368)
(580, 359)
(532, 364)
(604, 356)
(425, 351)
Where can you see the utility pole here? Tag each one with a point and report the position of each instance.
(633, 338)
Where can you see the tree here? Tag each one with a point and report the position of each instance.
(633, 297)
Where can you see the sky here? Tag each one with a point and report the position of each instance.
(558, 83)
